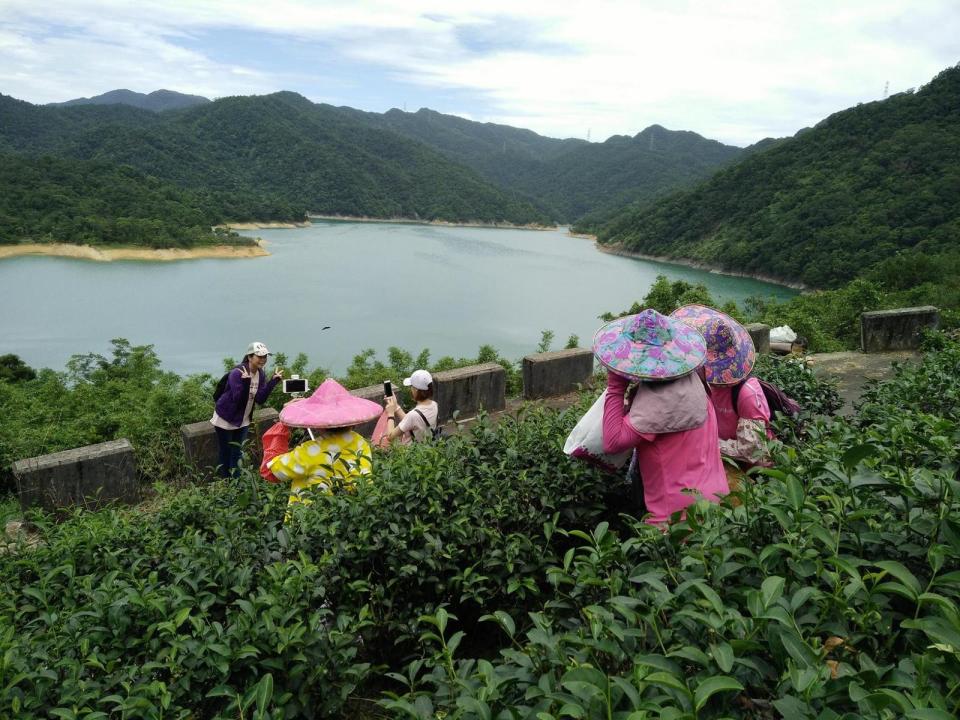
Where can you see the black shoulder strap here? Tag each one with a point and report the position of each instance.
(429, 426)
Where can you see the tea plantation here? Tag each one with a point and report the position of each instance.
(488, 576)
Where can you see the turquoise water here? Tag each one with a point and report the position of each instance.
(448, 289)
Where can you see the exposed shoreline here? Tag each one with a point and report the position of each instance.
(109, 254)
(614, 250)
(264, 225)
(442, 223)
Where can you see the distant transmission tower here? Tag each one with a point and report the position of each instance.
(588, 134)
(886, 89)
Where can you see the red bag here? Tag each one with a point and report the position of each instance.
(276, 441)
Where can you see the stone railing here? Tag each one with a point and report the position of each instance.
(899, 329)
(91, 476)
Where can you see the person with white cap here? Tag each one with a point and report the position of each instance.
(246, 385)
(421, 422)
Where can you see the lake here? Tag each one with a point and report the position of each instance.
(376, 285)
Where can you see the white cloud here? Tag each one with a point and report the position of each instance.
(734, 71)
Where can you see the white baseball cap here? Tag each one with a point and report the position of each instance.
(257, 348)
(420, 379)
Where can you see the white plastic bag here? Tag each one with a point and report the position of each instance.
(782, 334)
(586, 440)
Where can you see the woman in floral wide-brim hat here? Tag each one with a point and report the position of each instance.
(336, 456)
(743, 414)
(668, 420)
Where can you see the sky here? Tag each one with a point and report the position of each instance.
(734, 71)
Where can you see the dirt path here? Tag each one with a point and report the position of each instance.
(852, 370)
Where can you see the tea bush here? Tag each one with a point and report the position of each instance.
(829, 590)
(186, 611)
(488, 576)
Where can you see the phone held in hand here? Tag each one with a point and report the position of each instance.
(387, 388)
(294, 385)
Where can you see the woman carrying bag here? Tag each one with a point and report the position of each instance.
(668, 420)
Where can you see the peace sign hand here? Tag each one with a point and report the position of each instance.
(244, 373)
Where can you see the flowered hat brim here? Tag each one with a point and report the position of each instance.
(728, 361)
(681, 352)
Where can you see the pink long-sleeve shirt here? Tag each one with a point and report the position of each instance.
(669, 462)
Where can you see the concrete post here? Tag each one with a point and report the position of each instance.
(468, 389)
(898, 329)
(556, 373)
(89, 477)
(760, 334)
(200, 439)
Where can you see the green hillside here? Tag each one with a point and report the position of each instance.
(47, 199)
(567, 178)
(279, 149)
(827, 205)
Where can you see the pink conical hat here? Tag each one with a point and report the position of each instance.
(330, 406)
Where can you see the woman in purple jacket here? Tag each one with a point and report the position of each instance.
(246, 385)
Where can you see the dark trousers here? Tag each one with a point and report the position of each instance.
(231, 445)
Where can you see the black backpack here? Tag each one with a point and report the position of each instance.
(777, 399)
(436, 433)
(222, 385)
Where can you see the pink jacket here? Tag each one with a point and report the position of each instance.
(670, 462)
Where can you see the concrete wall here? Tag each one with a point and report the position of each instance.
(200, 439)
(374, 393)
(556, 373)
(89, 476)
(898, 329)
(761, 336)
(468, 389)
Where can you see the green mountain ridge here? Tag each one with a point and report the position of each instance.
(566, 178)
(279, 150)
(158, 100)
(826, 205)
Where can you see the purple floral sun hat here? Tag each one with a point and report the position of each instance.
(730, 351)
(649, 346)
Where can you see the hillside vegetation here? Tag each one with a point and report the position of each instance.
(567, 178)
(240, 156)
(866, 184)
(92, 202)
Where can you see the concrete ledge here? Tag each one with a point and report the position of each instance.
(884, 330)
(468, 389)
(90, 477)
(200, 439)
(760, 334)
(375, 394)
(556, 373)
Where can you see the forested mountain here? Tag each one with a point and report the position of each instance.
(278, 151)
(158, 100)
(47, 199)
(567, 178)
(824, 206)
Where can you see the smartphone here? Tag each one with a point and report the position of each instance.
(387, 388)
(295, 385)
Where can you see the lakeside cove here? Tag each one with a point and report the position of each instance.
(694, 264)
